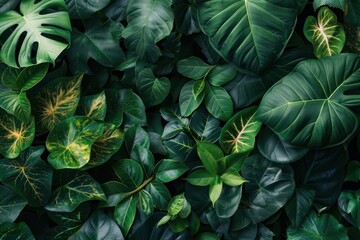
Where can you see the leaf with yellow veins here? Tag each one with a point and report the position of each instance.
(15, 135)
(238, 134)
(28, 175)
(56, 101)
(93, 106)
(105, 146)
(70, 141)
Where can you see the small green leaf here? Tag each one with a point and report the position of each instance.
(325, 33)
(145, 202)
(349, 205)
(221, 75)
(198, 87)
(124, 214)
(69, 142)
(171, 129)
(187, 101)
(200, 178)
(93, 106)
(15, 103)
(129, 172)
(18, 231)
(215, 189)
(11, 204)
(176, 204)
(218, 102)
(168, 170)
(165, 219)
(80, 189)
(178, 225)
(232, 179)
(159, 193)
(209, 154)
(28, 175)
(193, 67)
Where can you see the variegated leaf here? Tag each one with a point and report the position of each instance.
(93, 106)
(325, 33)
(69, 143)
(238, 134)
(15, 135)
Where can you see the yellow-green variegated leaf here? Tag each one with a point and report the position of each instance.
(69, 142)
(56, 101)
(325, 33)
(15, 135)
(105, 146)
(93, 106)
(238, 134)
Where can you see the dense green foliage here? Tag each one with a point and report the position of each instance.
(179, 119)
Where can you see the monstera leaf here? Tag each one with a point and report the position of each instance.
(69, 143)
(325, 33)
(28, 175)
(44, 29)
(242, 31)
(15, 135)
(310, 105)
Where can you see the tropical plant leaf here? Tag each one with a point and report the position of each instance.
(241, 31)
(145, 202)
(221, 75)
(349, 205)
(136, 136)
(314, 227)
(129, 172)
(159, 193)
(185, 17)
(15, 103)
(146, 159)
(42, 30)
(15, 136)
(187, 101)
(67, 197)
(325, 92)
(11, 204)
(90, 45)
(238, 134)
(28, 175)
(146, 27)
(19, 231)
(193, 68)
(325, 33)
(56, 101)
(331, 3)
(218, 102)
(82, 9)
(5, 5)
(206, 127)
(93, 106)
(353, 172)
(168, 170)
(69, 142)
(228, 202)
(124, 214)
(209, 154)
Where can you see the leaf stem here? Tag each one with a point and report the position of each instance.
(146, 182)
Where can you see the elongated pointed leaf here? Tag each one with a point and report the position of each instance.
(42, 30)
(124, 214)
(238, 134)
(209, 154)
(69, 142)
(242, 31)
(218, 102)
(221, 75)
(28, 175)
(200, 177)
(169, 170)
(80, 189)
(187, 101)
(319, 90)
(11, 204)
(15, 135)
(159, 193)
(325, 33)
(193, 68)
(205, 125)
(215, 189)
(93, 106)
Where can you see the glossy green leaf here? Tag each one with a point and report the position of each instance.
(93, 106)
(11, 204)
(172, 129)
(221, 75)
(168, 170)
(181, 147)
(215, 189)
(238, 134)
(207, 236)
(314, 227)
(134, 136)
(129, 172)
(153, 90)
(193, 68)
(99, 227)
(145, 202)
(198, 87)
(206, 127)
(331, 3)
(353, 172)
(320, 90)
(80, 189)
(124, 214)
(242, 31)
(69, 142)
(209, 154)
(276, 150)
(56, 101)
(82, 9)
(115, 192)
(164, 220)
(15, 135)
(325, 33)
(145, 28)
(200, 178)
(176, 204)
(116, 10)
(44, 31)
(19, 231)
(349, 205)
(218, 102)
(90, 45)
(232, 179)
(28, 175)
(270, 186)
(228, 202)
(22, 79)
(187, 101)
(159, 193)
(15, 103)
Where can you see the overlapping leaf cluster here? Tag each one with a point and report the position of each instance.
(176, 119)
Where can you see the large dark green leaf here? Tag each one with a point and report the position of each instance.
(270, 186)
(331, 3)
(11, 204)
(124, 214)
(82, 9)
(168, 170)
(309, 106)
(15, 135)
(18, 231)
(129, 172)
(185, 17)
(99, 42)
(314, 227)
(159, 193)
(69, 142)
(181, 147)
(228, 202)
(28, 175)
(149, 21)
(136, 136)
(80, 189)
(242, 31)
(349, 205)
(50, 32)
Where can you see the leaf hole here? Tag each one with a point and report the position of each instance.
(34, 50)
(18, 46)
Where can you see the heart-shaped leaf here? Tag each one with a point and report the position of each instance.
(28, 175)
(11, 204)
(69, 142)
(349, 205)
(315, 94)
(42, 30)
(93, 106)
